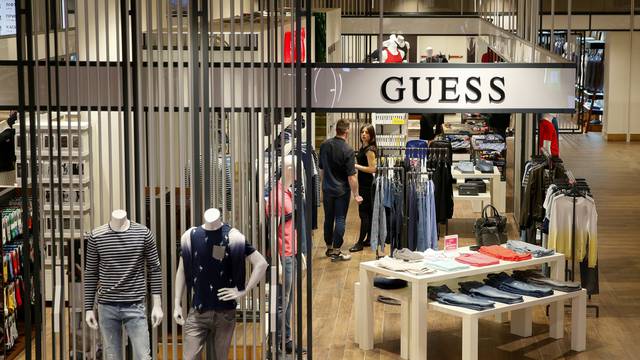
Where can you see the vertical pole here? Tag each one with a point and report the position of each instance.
(629, 93)
(552, 36)
(380, 28)
(310, 124)
(194, 110)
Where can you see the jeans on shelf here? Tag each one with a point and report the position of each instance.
(506, 283)
(479, 290)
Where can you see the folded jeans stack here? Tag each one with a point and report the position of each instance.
(479, 290)
(506, 283)
(465, 167)
(477, 259)
(535, 277)
(502, 253)
(523, 247)
(444, 295)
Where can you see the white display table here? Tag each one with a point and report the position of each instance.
(416, 298)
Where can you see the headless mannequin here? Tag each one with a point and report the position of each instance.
(120, 223)
(212, 222)
(392, 48)
(546, 144)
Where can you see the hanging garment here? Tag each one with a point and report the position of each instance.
(379, 217)
(561, 226)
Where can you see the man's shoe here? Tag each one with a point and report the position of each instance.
(289, 348)
(340, 256)
(366, 243)
(329, 252)
(356, 247)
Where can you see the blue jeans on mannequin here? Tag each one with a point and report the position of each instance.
(112, 317)
(285, 300)
(335, 210)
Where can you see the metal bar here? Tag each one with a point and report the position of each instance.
(137, 152)
(124, 11)
(206, 113)
(194, 109)
(298, 165)
(309, 238)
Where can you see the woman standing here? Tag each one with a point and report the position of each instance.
(366, 166)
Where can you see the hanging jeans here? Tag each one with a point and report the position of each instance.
(379, 217)
(335, 210)
(423, 218)
(412, 218)
(398, 217)
(432, 229)
(133, 316)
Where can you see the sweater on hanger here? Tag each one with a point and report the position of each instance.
(586, 228)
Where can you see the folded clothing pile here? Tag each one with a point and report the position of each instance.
(477, 259)
(412, 267)
(479, 290)
(535, 277)
(445, 264)
(407, 255)
(502, 253)
(444, 295)
(504, 282)
(465, 167)
(523, 247)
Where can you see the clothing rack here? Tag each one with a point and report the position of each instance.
(575, 187)
(383, 171)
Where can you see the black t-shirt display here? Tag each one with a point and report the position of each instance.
(337, 160)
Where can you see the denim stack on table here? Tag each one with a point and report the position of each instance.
(506, 283)
(479, 290)
(523, 247)
(535, 277)
(444, 295)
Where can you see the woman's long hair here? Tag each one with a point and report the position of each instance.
(372, 136)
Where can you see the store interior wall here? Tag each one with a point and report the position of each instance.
(622, 86)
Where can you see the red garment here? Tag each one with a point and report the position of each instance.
(391, 58)
(290, 47)
(283, 210)
(18, 296)
(475, 259)
(502, 253)
(548, 133)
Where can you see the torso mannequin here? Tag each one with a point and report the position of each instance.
(548, 135)
(121, 263)
(391, 54)
(212, 222)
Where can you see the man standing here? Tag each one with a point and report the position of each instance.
(339, 183)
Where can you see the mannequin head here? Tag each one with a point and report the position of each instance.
(429, 51)
(211, 215)
(392, 45)
(400, 40)
(119, 221)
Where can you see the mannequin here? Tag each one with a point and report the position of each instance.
(548, 135)
(218, 268)
(403, 46)
(113, 254)
(8, 150)
(391, 54)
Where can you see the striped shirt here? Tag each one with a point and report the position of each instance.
(115, 265)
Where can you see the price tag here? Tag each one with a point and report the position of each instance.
(451, 242)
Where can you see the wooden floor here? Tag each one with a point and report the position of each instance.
(613, 171)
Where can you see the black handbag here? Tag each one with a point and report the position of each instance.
(490, 230)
